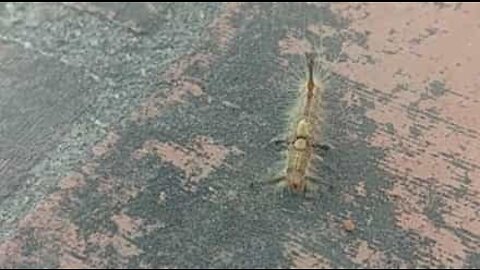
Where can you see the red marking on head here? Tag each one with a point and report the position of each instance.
(297, 185)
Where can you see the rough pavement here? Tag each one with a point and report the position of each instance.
(137, 135)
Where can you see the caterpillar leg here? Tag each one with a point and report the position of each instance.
(317, 181)
(280, 184)
(280, 141)
(323, 148)
(276, 179)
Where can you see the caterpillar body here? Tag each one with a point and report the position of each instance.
(299, 174)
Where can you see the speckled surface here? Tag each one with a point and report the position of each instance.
(138, 135)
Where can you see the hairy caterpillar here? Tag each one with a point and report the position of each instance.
(302, 140)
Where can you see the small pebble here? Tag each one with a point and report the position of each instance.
(348, 225)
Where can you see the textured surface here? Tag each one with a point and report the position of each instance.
(137, 135)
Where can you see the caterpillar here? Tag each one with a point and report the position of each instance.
(298, 174)
(305, 141)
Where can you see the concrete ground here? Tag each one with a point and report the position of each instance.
(139, 135)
